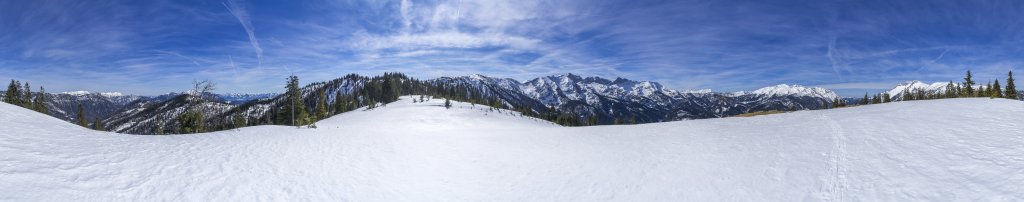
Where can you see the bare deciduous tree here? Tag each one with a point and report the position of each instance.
(201, 88)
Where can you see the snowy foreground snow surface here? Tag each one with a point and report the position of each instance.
(939, 150)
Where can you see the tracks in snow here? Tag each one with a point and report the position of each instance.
(837, 158)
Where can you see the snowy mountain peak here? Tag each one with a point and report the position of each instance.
(77, 93)
(112, 94)
(701, 91)
(798, 90)
(478, 77)
(104, 94)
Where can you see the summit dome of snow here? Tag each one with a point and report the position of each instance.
(78, 93)
(405, 151)
(112, 94)
(82, 92)
(785, 89)
(701, 91)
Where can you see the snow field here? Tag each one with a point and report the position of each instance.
(936, 150)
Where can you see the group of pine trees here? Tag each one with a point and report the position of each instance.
(967, 88)
(19, 95)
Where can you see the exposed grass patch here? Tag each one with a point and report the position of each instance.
(760, 113)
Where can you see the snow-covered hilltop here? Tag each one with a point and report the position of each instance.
(406, 151)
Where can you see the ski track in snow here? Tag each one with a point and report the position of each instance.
(837, 188)
(939, 150)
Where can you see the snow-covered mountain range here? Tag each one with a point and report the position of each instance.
(106, 105)
(645, 101)
(609, 101)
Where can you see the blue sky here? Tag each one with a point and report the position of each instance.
(158, 46)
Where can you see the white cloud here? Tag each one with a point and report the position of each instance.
(441, 40)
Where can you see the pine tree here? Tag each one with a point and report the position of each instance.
(321, 107)
(41, 101)
(988, 90)
(81, 116)
(864, 101)
(592, 120)
(997, 91)
(339, 103)
(968, 88)
(191, 122)
(886, 98)
(97, 124)
(951, 90)
(26, 100)
(296, 107)
(238, 120)
(1011, 88)
(12, 95)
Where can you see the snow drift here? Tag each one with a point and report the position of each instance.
(937, 150)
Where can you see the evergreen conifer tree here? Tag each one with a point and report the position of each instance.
(951, 90)
(26, 100)
(96, 125)
(41, 101)
(191, 122)
(987, 91)
(81, 116)
(339, 103)
(864, 101)
(239, 120)
(296, 107)
(1011, 88)
(997, 91)
(12, 95)
(968, 88)
(321, 107)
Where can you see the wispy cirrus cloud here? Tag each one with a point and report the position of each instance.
(238, 10)
(687, 44)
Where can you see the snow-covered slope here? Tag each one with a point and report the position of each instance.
(904, 151)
